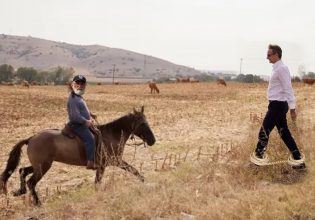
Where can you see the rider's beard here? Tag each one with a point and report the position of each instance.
(79, 91)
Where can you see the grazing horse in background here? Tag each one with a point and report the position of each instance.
(309, 81)
(35, 83)
(153, 87)
(25, 83)
(51, 145)
(183, 80)
(221, 81)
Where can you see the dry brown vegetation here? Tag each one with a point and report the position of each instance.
(199, 166)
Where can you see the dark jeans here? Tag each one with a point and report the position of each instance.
(276, 116)
(87, 137)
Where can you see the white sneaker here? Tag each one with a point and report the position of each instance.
(259, 161)
(297, 164)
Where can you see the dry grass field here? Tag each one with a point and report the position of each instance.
(198, 168)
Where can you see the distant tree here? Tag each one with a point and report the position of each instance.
(62, 75)
(45, 76)
(240, 78)
(309, 75)
(6, 72)
(27, 73)
(257, 79)
(137, 70)
(296, 79)
(248, 78)
(227, 78)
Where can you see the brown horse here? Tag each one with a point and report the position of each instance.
(183, 80)
(25, 83)
(221, 81)
(51, 145)
(309, 81)
(153, 87)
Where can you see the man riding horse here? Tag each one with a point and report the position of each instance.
(80, 118)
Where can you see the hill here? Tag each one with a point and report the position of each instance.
(92, 60)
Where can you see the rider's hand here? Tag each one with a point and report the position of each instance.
(93, 116)
(88, 123)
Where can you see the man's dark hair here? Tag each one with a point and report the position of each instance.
(276, 49)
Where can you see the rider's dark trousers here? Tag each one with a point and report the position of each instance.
(87, 137)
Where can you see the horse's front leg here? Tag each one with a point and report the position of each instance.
(99, 174)
(125, 166)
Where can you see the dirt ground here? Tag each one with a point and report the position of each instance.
(190, 122)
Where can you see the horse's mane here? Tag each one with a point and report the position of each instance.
(117, 123)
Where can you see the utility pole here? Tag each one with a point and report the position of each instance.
(114, 69)
(144, 64)
(241, 61)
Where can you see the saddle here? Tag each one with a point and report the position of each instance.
(68, 132)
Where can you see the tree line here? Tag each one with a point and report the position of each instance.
(246, 78)
(59, 75)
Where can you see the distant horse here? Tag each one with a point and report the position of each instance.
(153, 87)
(7, 83)
(51, 145)
(192, 80)
(35, 83)
(309, 81)
(221, 81)
(25, 83)
(183, 80)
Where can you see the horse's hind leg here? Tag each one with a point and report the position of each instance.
(125, 166)
(39, 172)
(23, 173)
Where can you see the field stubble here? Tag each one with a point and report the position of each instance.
(197, 168)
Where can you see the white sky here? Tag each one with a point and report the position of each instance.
(204, 34)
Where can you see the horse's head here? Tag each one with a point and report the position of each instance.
(141, 128)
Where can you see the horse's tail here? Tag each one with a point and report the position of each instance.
(13, 161)
(158, 91)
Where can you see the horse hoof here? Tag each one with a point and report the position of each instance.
(141, 179)
(3, 188)
(19, 192)
(37, 203)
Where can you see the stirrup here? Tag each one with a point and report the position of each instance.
(292, 162)
(259, 161)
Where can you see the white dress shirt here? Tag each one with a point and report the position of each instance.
(280, 87)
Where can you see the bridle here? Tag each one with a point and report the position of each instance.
(134, 127)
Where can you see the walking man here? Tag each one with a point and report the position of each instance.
(281, 99)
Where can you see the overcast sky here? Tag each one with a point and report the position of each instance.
(204, 34)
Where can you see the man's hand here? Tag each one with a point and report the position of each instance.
(293, 114)
(93, 116)
(88, 123)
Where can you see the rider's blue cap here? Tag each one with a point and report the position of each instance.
(79, 78)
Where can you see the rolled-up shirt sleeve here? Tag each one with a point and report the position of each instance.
(285, 80)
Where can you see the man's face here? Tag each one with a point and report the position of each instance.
(272, 57)
(78, 85)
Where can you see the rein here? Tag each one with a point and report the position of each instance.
(132, 137)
